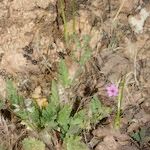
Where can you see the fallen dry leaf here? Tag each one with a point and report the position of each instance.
(37, 92)
(41, 101)
(109, 143)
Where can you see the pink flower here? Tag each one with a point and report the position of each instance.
(112, 90)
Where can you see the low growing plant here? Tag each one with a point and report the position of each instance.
(56, 118)
(32, 144)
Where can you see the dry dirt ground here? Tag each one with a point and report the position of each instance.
(32, 43)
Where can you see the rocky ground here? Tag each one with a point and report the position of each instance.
(32, 43)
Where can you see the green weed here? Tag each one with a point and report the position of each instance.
(63, 15)
(32, 144)
(119, 102)
(141, 137)
(57, 117)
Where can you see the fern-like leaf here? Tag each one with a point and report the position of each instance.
(98, 111)
(79, 119)
(33, 144)
(49, 115)
(64, 117)
(74, 143)
(85, 57)
(95, 105)
(12, 94)
(55, 94)
(64, 74)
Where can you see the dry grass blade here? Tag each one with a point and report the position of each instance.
(121, 6)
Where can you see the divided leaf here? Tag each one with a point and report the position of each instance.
(55, 95)
(98, 111)
(85, 57)
(15, 99)
(33, 144)
(64, 117)
(49, 115)
(74, 143)
(64, 74)
(79, 119)
(12, 93)
(35, 117)
(95, 104)
(78, 123)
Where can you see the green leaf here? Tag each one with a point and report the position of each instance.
(64, 117)
(22, 114)
(55, 94)
(139, 135)
(87, 51)
(77, 41)
(79, 119)
(33, 144)
(78, 123)
(136, 136)
(49, 115)
(35, 116)
(64, 74)
(85, 57)
(74, 143)
(142, 133)
(13, 96)
(11, 92)
(98, 111)
(95, 105)
(86, 40)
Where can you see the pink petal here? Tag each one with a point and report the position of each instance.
(112, 90)
(108, 88)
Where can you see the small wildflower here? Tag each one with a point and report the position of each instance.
(112, 90)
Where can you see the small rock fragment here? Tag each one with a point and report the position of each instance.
(137, 22)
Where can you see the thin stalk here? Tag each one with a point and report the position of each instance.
(120, 98)
(120, 8)
(64, 19)
(74, 19)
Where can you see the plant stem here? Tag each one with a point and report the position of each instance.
(74, 20)
(120, 97)
(64, 19)
(121, 6)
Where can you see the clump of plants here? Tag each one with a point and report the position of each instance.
(57, 118)
(57, 124)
